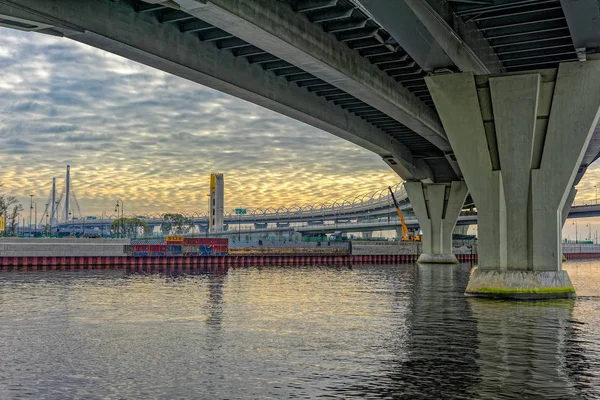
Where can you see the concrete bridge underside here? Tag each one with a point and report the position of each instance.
(262, 68)
(441, 90)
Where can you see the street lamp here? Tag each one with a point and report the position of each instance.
(122, 220)
(589, 230)
(576, 234)
(118, 221)
(55, 217)
(209, 215)
(35, 219)
(102, 222)
(30, 210)
(72, 212)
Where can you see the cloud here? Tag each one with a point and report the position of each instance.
(152, 139)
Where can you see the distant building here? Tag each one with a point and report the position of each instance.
(217, 202)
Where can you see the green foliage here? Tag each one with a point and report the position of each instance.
(175, 224)
(129, 226)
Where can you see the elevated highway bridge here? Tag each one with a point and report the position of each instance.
(497, 96)
(367, 213)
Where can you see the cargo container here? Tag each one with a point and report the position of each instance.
(150, 249)
(205, 241)
(147, 241)
(187, 246)
(174, 250)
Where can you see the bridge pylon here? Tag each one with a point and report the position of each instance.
(519, 139)
(437, 207)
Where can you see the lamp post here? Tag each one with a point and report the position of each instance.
(209, 215)
(35, 219)
(46, 224)
(589, 231)
(576, 233)
(122, 220)
(72, 213)
(102, 223)
(55, 217)
(30, 210)
(118, 220)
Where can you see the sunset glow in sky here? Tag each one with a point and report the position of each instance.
(132, 132)
(152, 139)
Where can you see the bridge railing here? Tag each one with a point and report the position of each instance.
(336, 209)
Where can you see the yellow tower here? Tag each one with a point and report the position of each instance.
(217, 202)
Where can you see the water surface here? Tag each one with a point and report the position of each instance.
(402, 331)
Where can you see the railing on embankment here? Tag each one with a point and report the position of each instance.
(192, 263)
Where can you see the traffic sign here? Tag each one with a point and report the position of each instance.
(240, 211)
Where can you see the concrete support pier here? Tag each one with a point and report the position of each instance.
(519, 139)
(437, 207)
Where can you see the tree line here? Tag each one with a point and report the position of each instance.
(172, 224)
(10, 209)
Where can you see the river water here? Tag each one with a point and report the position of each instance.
(402, 331)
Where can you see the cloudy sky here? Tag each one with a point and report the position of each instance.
(152, 139)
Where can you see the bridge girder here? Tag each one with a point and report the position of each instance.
(275, 27)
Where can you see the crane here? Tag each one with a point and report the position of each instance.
(406, 235)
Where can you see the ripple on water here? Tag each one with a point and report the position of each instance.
(367, 332)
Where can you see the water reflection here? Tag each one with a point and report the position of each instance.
(521, 351)
(367, 332)
(214, 305)
(443, 335)
(459, 347)
(437, 358)
(582, 347)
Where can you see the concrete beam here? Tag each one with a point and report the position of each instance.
(116, 28)
(426, 36)
(274, 27)
(410, 33)
(583, 19)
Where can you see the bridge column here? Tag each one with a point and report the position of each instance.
(367, 235)
(398, 233)
(519, 140)
(437, 207)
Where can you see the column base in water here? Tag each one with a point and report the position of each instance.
(526, 285)
(437, 258)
